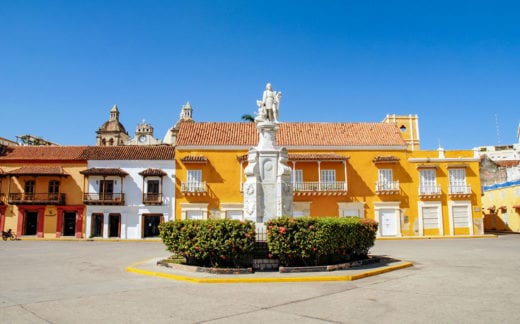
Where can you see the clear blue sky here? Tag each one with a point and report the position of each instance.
(456, 64)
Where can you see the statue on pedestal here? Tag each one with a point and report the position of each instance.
(268, 107)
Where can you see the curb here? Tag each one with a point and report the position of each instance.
(132, 268)
(406, 238)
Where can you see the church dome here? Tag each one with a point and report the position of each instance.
(112, 125)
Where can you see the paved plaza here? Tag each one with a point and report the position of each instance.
(452, 281)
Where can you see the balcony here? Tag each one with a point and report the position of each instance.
(104, 199)
(194, 188)
(387, 187)
(320, 188)
(36, 198)
(430, 192)
(459, 191)
(152, 199)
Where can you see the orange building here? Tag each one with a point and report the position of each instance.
(369, 170)
(41, 191)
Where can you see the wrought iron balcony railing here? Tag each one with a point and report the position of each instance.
(459, 190)
(320, 186)
(430, 191)
(386, 187)
(194, 188)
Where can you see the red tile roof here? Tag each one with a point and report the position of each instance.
(507, 163)
(308, 157)
(291, 134)
(83, 153)
(152, 172)
(38, 170)
(385, 159)
(53, 153)
(194, 159)
(104, 172)
(156, 152)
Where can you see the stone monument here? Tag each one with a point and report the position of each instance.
(267, 190)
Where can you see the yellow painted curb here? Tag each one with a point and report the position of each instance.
(365, 274)
(405, 238)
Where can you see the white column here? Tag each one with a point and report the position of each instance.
(105, 224)
(123, 226)
(319, 175)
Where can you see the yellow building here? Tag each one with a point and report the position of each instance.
(41, 191)
(501, 207)
(370, 170)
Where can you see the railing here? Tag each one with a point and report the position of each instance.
(320, 186)
(194, 186)
(104, 198)
(432, 190)
(152, 199)
(37, 198)
(459, 190)
(384, 186)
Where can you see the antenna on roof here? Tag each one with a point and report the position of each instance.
(498, 128)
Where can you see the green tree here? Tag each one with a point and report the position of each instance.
(248, 118)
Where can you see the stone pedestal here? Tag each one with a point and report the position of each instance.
(267, 189)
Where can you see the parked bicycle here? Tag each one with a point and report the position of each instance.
(8, 235)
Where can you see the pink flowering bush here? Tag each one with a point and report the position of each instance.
(212, 243)
(317, 241)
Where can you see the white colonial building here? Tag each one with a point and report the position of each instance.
(128, 190)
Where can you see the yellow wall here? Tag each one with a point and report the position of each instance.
(222, 173)
(502, 219)
(72, 186)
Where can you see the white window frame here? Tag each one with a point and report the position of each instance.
(397, 213)
(385, 179)
(457, 178)
(198, 207)
(301, 209)
(429, 204)
(297, 179)
(344, 208)
(428, 181)
(458, 203)
(194, 179)
(230, 208)
(328, 176)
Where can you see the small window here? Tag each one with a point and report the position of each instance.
(234, 214)
(152, 187)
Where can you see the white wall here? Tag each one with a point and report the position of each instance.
(131, 212)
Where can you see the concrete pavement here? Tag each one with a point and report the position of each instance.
(458, 280)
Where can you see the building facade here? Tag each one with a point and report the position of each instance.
(368, 170)
(128, 190)
(40, 190)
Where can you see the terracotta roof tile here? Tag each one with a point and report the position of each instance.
(315, 157)
(385, 159)
(194, 159)
(38, 170)
(43, 153)
(156, 152)
(507, 163)
(308, 157)
(104, 172)
(291, 134)
(152, 172)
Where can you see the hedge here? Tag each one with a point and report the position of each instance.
(317, 241)
(215, 243)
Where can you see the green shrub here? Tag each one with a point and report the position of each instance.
(215, 243)
(316, 241)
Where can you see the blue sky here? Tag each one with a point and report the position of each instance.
(456, 64)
